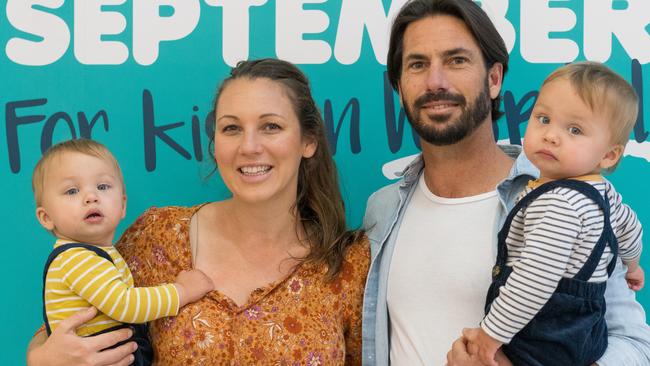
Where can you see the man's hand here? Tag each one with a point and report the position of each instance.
(65, 347)
(459, 355)
(464, 354)
(485, 346)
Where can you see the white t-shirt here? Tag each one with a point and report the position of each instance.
(439, 273)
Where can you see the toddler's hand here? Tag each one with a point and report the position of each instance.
(635, 279)
(192, 285)
(484, 346)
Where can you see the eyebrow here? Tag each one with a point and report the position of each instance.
(416, 56)
(539, 105)
(446, 53)
(457, 51)
(264, 115)
(572, 116)
(271, 115)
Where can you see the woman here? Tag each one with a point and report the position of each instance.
(288, 276)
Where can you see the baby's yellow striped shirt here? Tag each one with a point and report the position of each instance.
(78, 278)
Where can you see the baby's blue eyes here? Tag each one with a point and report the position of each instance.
(575, 131)
(71, 191)
(100, 187)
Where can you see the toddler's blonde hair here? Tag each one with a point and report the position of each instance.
(83, 146)
(604, 91)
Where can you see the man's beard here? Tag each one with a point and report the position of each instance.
(471, 118)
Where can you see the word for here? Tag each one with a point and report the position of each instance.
(20, 113)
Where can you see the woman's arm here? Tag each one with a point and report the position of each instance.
(63, 347)
(356, 265)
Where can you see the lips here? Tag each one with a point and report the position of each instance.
(546, 154)
(93, 216)
(439, 105)
(254, 170)
(439, 100)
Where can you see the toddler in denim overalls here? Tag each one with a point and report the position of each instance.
(560, 243)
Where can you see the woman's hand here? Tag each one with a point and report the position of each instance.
(64, 347)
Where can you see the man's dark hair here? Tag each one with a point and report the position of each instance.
(488, 38)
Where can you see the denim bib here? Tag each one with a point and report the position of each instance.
(570, 328)
(143, 356)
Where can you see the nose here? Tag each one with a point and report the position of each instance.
(251, 143)
(437, 78)
(91, 197)
(550, 136)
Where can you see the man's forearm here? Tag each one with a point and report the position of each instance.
(629, 335)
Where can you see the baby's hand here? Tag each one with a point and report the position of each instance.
(635, 279)
(485, 345)
(192, 285)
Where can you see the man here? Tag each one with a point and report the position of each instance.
(433, 233)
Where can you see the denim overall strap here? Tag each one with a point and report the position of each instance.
(570, 328)
(502, 250)
(55, 253)
(607, 236)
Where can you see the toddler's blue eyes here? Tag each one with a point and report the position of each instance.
(544, 120)
(103, 187)
(71, 191)
(575, 131)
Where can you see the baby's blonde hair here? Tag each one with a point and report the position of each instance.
(604, 91)
(83, 146)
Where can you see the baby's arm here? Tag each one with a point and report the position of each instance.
(551, 227)
(100, 283)
(635, 277)
(192, 285)
(628, 232)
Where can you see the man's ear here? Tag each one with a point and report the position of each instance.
(495, 79)
(44, 219)
(612, 156)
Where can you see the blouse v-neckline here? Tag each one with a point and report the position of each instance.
(255, 296)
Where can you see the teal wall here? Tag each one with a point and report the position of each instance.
(52, 72)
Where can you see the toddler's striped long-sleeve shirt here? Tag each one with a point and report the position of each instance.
(79, 278)
(551, 239)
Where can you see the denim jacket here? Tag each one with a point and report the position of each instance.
(629, 335)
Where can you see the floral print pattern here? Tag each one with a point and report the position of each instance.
(299, 320)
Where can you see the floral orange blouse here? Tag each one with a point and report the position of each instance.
(300, 320)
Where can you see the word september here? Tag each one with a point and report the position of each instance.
(545, 29)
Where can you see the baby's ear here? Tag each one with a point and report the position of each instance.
(44, 218)
(123, 205)
(612, 157)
